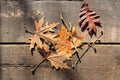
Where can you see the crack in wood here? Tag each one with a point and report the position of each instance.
(16, 65)
(28, 66)
(85, 43)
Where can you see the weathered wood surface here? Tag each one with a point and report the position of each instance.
(16, 63)
(23, 73)
(106, 56)
(17, 14)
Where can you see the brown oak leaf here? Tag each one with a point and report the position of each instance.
(42, 34)
(57, 60)
(35, 40)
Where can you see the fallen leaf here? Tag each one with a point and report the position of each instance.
(42, 34)
(63, 51)
(35, 40)
(89, 19)
(57, 60)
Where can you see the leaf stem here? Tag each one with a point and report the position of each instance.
(69, 28)
(44, 37)
(89, 46)
(64, 22)
(35, 68)
(29, 32)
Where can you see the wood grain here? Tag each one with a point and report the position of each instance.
(23, 73)
(16, 60)
(17, 15)
(106, 56)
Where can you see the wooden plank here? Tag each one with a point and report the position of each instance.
(18, 55)
(17, 14)
(23, 73)
(13, 22)
(106, 57)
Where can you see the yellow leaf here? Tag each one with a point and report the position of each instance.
(38, 12)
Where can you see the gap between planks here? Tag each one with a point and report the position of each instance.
(26, 43)
(44, 66)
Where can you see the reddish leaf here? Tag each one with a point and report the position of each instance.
(89, 19)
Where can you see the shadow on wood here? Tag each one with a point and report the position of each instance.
(27, 12)
(70, 75)
(118, 59)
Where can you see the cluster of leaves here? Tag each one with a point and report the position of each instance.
(55, 47)
(58, 47)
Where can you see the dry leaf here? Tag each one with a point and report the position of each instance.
(59, 47)
(57, 60)
(89, 19)
(69, 38)
(63, 51)
(42, 34)
(35, 40)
